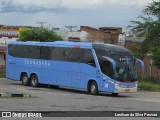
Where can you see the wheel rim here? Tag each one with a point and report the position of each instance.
(34, 81)
(25, 79)
(93, 88)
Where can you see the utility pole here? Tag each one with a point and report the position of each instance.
(70, 27)
(41, 23)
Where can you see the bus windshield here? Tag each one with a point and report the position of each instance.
(125, 68)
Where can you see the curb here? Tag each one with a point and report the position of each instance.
(14, 95)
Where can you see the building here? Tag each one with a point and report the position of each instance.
(7, 34)
(72, 35)
(10, 33)
(2, 56)
(103, 34)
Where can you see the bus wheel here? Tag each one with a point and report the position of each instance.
(93, 89)
(34, 81)
(25, 79)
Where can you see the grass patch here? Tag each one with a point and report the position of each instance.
(154, 80)
(2, 74)
(149, 86)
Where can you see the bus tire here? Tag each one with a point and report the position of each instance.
(34, 81)
(93, 88)
(25, 79)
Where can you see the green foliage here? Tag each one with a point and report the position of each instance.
(136, 51)
(149, 83)
(148, 26)
(149, 86)
(140, 50)
(39, 34)
(153, 80)
(153, 9)
(2, 74)
(156, 56)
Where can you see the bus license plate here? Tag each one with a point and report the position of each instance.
(127, 90)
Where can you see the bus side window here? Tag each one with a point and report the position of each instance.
(33, 52)
(106, 68)
(57, 53)
(89, 58)
(80, 56)
(11, 49)
(72, 55)
(17, 51)
(46, 53)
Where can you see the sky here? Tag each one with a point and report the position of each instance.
(58, 13)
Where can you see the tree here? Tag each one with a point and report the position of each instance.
(38, 34)
(148, 25)
(156, 56)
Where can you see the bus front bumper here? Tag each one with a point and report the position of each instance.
(125, 89)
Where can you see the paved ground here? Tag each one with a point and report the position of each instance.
(63, 99)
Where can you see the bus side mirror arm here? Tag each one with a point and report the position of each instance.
(141, 63)
(112, 61)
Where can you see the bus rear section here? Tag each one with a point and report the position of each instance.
(68, 64)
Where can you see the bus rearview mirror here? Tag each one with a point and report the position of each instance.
(141, 63)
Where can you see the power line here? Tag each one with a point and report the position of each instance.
(70, 27)
(41, 23)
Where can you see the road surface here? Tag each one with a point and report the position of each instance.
(62, 99)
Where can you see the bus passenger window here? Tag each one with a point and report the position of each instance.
(46, 53)
(58, 53)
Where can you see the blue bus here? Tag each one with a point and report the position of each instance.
(91, 67)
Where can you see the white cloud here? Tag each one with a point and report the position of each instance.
(98, 13)
(80, 4)
(74, 4)
(42, 3)
(101, 12)
(103, 3)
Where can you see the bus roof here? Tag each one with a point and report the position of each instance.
(108, 47)
(57, 43)
(112, 48)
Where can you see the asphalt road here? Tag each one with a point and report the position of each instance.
(62, 99)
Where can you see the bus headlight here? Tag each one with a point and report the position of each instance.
(117, 85)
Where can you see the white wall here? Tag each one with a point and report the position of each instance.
(5, 40)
